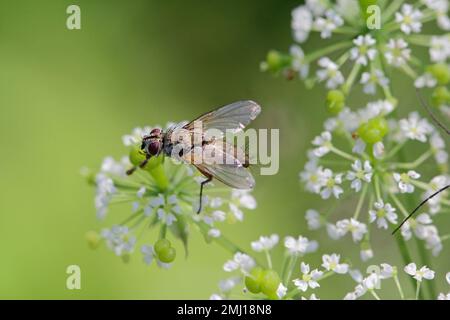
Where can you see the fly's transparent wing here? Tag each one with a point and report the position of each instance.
(223, 162)
(233, 117)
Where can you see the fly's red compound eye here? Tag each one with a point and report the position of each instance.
(153, 147)
(155, 132)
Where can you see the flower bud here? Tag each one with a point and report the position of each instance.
(270, 282)
(440, 96)
(137, 156)
(161, 244)
(373, 130)
(275, 61)
(253, 282)
(93, 239)
(167, 254)
(440, 71)
(335, 101)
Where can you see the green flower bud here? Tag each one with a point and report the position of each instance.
(441, 72)
(373, 130)
(440, 96)
(335, 101)
(93, 239)
(270, 282)
(276, 61)
(253, 282)
(167, 254)
(137, 156)
(161, 244)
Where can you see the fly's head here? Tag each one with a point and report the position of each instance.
(153, 143)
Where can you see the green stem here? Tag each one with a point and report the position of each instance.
(399, 287)
(342, 153)
(327, 50)
(360, 202)
(160, 177)
(418, 290)
(391, 9)
(351, 78)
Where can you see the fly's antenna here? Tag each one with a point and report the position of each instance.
(419, 206)
(428, 110)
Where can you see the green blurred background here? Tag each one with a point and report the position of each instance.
(67, 97)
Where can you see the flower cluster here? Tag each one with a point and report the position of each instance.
(298, 280)
(164, 196)
(370, 45)
(373, 170)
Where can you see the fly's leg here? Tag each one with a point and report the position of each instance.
(208, 179)
(420, 205)
(141, 165)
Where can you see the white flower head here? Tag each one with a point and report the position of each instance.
(331, 263)
(415, 128)
(382, 214)
(361, 173)
(323, 144)
(364, 50)
(387, 271)
(397, 52)
(265, 243)
(312, 175)
(356, 228)
(308, 279)
(313, 219)
(372, 281)
(301, 24)
(419, 274)
(409, 19)
(439, 48)
(404, 180)
(326, 25)
(300, 246)
(119, 239)
(281, 291)
(370, 80)
(241, 262)
(298, 61)
(329, 73)
(425, 81)
(331, 184)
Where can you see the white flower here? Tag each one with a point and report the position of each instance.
(214, 233)
(298, 61)
(436, 184)
(227, 285)
(317, 7)
(387, 271)
(240, 261)
(265, 243)
(329, 72)
(378, 150)
(443, 296)
(281, 291)
(371, 79)
(366, 254)
(119, 239)
(359, 174)
(357, 229)
(323, 143)
(312, 176)
(438, 148)
(397, 52)
(301, 24)
(422, 273)
(439, 48)
(104, 193)
(327, 24)
(420, 225)
(313, 219)
(409, 19)
(136, 136)
(425, 80)
(415, 128)
(404, 180)
(244, 198)
(372, 281)
(148, 254)
(382, 214)
(364, 50)
(447, 277)
(331, 184)
(308, 279)
(215, 296)
(300, 246)
(331, 263)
